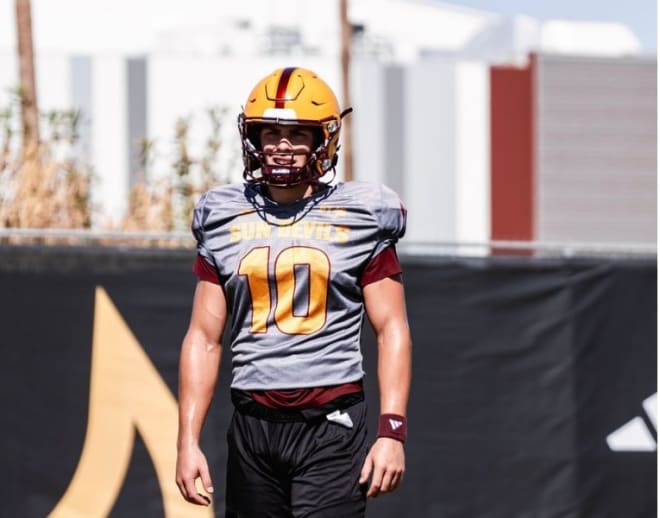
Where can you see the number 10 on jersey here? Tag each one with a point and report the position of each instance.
(255, 267)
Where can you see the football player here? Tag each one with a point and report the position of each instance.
(296, 260)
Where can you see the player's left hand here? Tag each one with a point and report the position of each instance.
(386, 464)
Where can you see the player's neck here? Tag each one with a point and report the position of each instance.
(286, 195)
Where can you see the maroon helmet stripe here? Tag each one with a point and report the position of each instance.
(280, 96)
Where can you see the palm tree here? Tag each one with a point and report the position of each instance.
(27, 87)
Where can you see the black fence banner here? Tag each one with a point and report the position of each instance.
(534, 386)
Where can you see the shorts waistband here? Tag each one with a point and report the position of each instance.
(248, 406)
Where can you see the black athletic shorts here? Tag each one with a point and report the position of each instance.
(299, 467)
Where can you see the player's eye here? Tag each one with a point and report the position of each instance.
(270, 135)
(301, 135)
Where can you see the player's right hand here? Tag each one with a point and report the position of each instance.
(190, 465)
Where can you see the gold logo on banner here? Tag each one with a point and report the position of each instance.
(126, 394)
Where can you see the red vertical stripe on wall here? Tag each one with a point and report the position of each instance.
(512, 152)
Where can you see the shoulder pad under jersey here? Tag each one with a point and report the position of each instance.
(385, 204)
(215, 207)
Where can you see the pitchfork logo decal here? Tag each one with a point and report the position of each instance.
(127, 396)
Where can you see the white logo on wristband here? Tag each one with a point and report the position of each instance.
(394, 424)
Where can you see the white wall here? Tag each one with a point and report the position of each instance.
(430, 154)
(472, 152)
(446, 176)
(369, 119)
(109, 153)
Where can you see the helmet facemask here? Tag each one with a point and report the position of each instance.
(317, 162)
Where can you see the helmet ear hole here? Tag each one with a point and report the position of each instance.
(318, 138)
(253, 135)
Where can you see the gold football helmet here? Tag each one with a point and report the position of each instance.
(291, 96)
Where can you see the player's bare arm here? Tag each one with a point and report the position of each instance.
(385, 306)
(198, 372)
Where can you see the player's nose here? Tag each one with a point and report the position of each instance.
(284, 144)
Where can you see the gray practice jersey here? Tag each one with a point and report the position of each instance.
(291, 276)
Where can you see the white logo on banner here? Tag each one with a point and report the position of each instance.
(635, 435)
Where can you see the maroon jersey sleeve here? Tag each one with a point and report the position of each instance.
(383, 265)
(205, 271)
